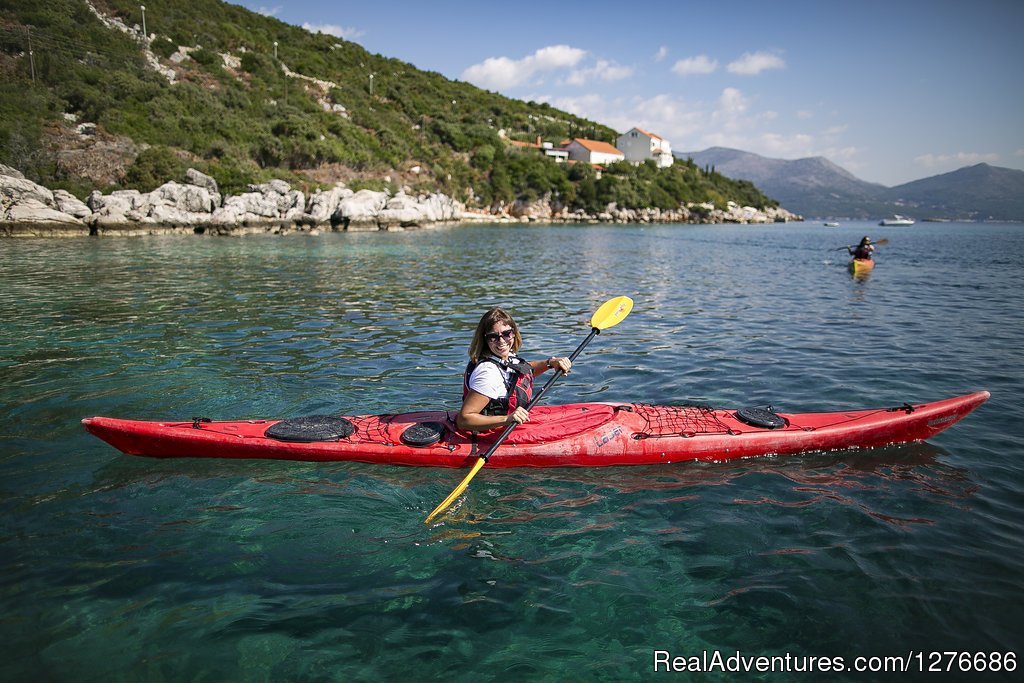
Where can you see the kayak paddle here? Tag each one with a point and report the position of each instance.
(881, 242)
(611, 313)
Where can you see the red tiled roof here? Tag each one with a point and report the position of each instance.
(648, 134)
(597, 146)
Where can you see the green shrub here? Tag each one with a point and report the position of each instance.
(152, 168)
(163, 47)
(233, 176)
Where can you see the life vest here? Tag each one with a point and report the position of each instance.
(863, 252)
(518, 385)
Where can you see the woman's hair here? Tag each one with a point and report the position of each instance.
(478, 348)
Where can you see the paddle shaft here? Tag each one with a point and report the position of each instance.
(880, 243)
(533, 401)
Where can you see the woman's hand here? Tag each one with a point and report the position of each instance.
(561, 364)
(518, 416)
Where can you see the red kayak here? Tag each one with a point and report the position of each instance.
(574, 435)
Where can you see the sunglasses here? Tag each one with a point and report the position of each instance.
(495, 336)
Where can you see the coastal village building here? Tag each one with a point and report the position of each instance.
(559, 154)
(593, 152)
(638, 145)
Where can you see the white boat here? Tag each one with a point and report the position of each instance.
(897, 220)
(830, 224)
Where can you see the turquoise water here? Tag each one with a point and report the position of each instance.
(123, 568)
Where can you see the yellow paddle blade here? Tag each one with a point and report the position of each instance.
(456, 493)
(612, 312)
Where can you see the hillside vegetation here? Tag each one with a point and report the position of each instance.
(254, 98)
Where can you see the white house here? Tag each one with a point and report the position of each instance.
(593, 152)
(638, 145)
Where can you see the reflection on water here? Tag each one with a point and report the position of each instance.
(799, 481)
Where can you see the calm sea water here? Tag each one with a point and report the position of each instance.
(123, 568)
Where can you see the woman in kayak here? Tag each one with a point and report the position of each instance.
(863, 250)
(498, 383)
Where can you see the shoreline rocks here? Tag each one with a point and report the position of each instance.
(197, 207)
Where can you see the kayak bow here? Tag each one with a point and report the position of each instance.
(861, 266)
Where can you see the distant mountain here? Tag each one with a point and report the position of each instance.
(979, 192)
(815, 188)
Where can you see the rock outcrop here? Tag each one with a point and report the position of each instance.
(273, 206)
(360, 209)
(546, 210)
(197, 206)
(32, 210)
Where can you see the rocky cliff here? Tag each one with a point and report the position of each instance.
(196, 206)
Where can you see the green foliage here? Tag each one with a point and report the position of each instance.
(206, 58)
(251, 122)
(233, 176)
(153, 167)
(20, 130)
(163, 47)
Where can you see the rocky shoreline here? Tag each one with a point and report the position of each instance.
(197, 207)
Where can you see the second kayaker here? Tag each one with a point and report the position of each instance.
(862, 250)
(498, 384)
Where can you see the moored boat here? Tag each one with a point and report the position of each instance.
(896, 219)
(572, 435)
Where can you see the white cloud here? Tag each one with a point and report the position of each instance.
(613, 113)
(732, 120)
(753, 63)
(661, 53)
(701, 64)
(732, 105)
(841, 155)
(333, 30)
(958, 160)
(668, 116)
(269, 11)
(786, 146)
(502, 72)
(602, 70)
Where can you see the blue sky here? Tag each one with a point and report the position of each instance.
(892, 91)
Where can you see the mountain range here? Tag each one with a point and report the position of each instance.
(814, 187)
